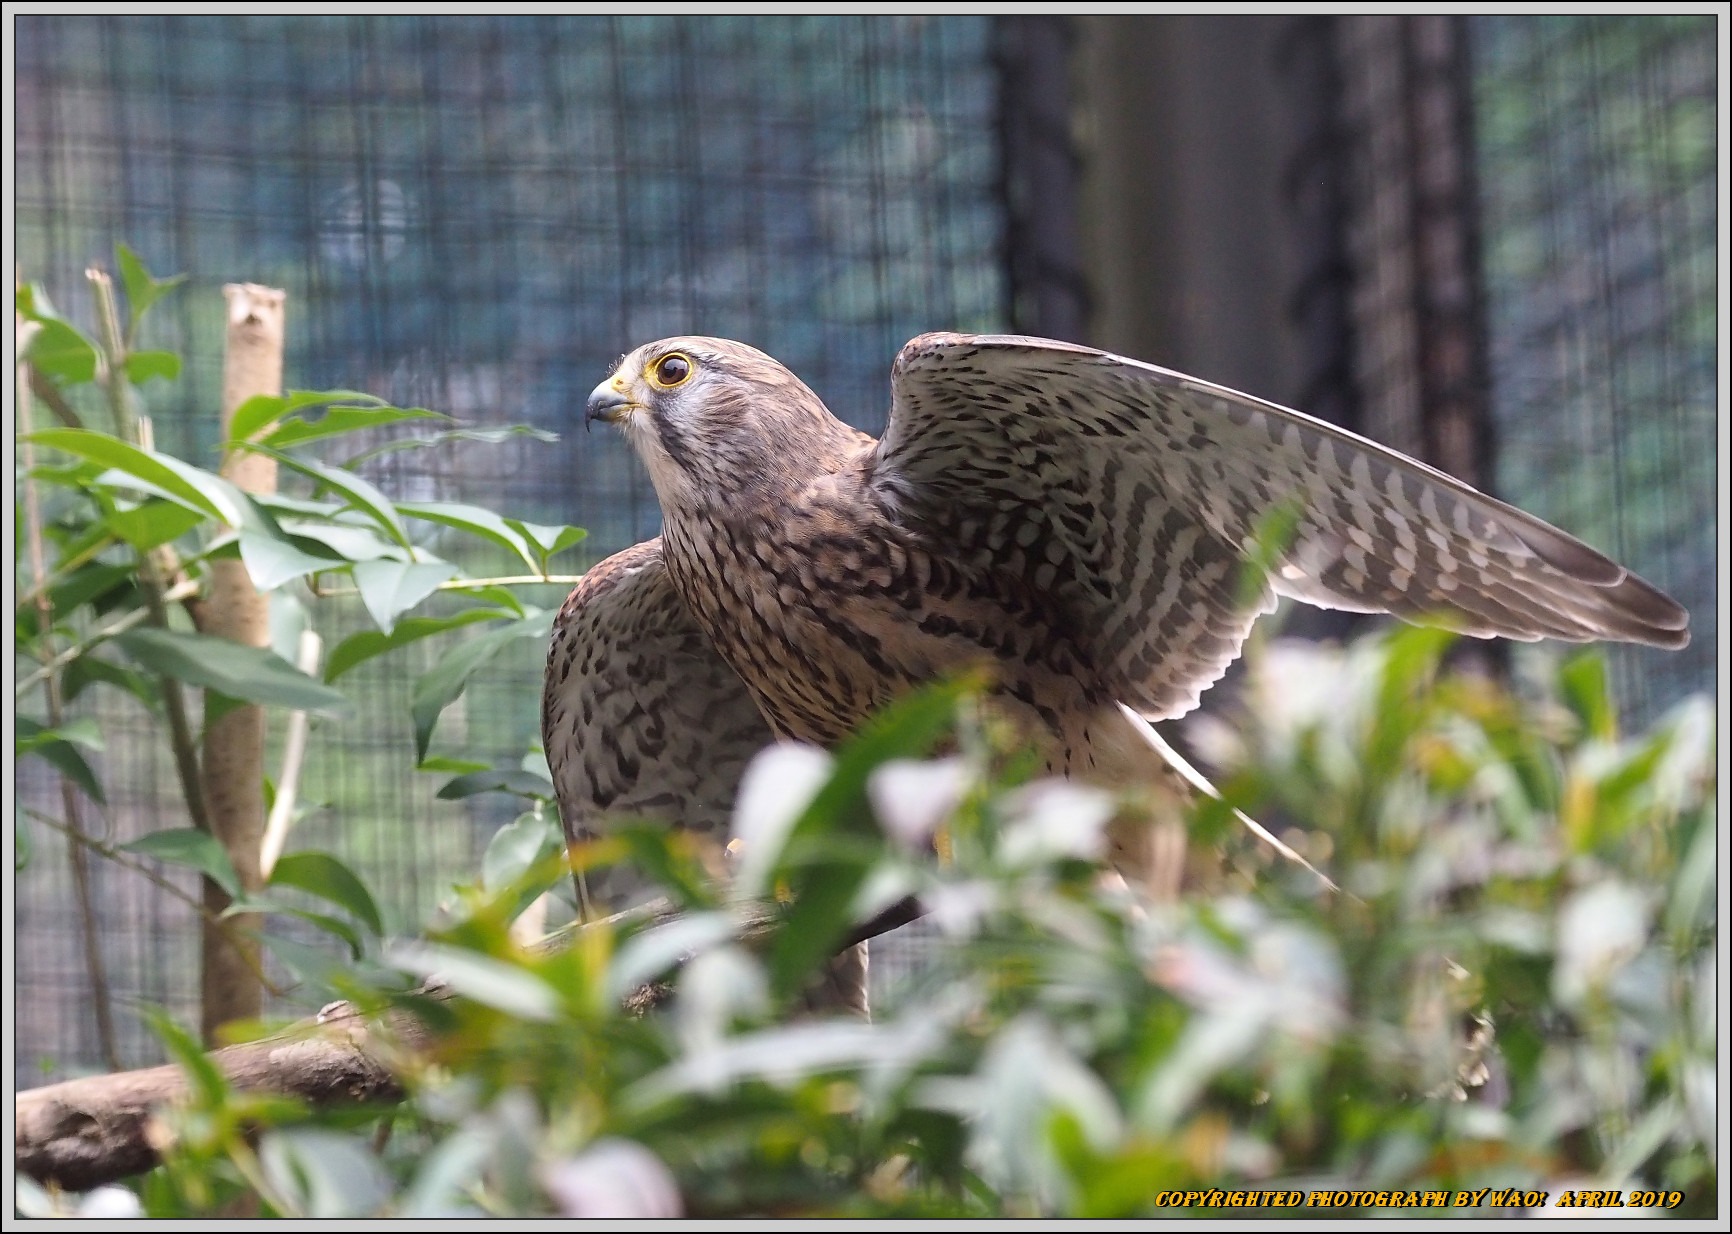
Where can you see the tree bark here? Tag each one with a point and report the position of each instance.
(95, 1130)
(234, 744)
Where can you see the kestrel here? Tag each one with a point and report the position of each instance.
(1074, 518)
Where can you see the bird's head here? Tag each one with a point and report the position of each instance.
(710, 418)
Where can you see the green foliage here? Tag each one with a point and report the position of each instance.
(125, 531)
(112, 503)
(1513, 990)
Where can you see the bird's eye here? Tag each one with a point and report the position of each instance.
(671, 370)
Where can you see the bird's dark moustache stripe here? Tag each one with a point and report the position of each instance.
(671, 440)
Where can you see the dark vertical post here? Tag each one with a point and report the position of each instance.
(1414, 239)
(1048, 295)
(1449, 314)
(1314, 194)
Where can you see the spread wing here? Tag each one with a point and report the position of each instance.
(1133, 491)
(640, 715)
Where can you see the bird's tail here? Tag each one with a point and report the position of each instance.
(1127, 763)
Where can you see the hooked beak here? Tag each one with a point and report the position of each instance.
(607, 403)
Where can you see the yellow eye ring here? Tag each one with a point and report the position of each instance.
(671, 370)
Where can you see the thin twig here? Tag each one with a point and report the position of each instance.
(102, 1003)
(52, 399)
(126, 862)
(118, 626)
(466, 584)
(150, 573)
(67, 565)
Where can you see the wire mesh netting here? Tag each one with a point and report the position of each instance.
(475, 215)
(1529, 215)
(1599, 186)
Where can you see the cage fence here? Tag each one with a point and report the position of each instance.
(475, 215)
(1598, 156)
(478, 214)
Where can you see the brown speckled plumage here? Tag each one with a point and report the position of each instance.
(1075, 518)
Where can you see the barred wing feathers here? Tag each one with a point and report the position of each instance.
(1134, 491)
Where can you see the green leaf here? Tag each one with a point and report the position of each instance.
(298, 431)
(438, 688)
(1691, 901)
(281, 503)
(89, 669)
(216, 706)
(271, 562)
(80, 730)
(299, 399)
(548, 540)
(88, 584)
(310, 965)
(52, 746)
(152, 523)
(206, 1080)
(61, 353)
(359, 494)
(515, 991)
(249, 673)
(192, 486)
(141, 366)
(486, 436)
(331, 925)
(1588, 693)
(496, 779)
(492, 593)
(654, 851)
(325, 1175)
(475, 520)
(326, 877)
(358, 648)
(1271, 537)
(188, 846)
(517, 848)
(21, 847)
(78, 475)
(350, 540)
(142, 290)
(261, 410)
(391, 587)
(253, 414)
(443, 763)
(832, 847)
(534, 761)
(288, 622)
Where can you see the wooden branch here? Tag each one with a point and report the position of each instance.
(90, 1131)
(83, 1133)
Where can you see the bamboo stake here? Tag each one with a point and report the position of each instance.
(282, 816)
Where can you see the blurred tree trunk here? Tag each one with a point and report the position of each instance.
(234, 743)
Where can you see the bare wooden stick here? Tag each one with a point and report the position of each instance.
(282, 815)
(234, 743)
